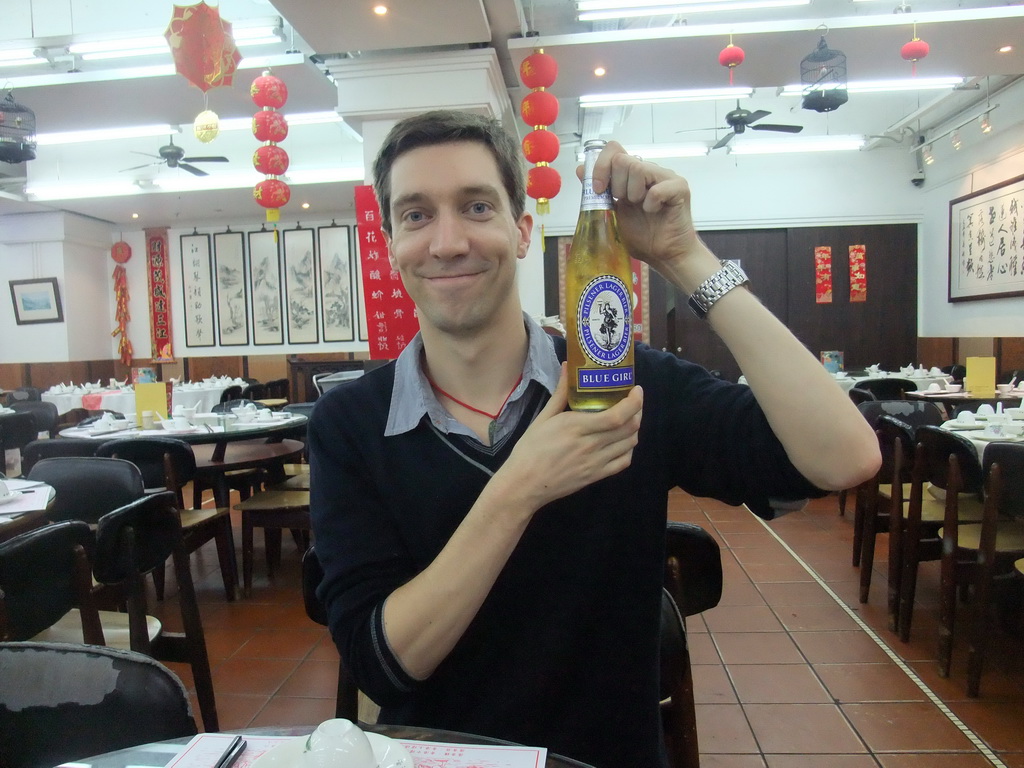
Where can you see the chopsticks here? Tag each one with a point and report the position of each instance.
(234, 748)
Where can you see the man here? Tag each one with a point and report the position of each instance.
(493, 562)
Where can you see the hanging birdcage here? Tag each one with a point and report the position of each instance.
(17, 131)
(823, 74)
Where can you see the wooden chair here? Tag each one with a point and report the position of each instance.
(272, 510)
(232, 392)
(170, 464)
(44, 413)
(918, 539)
(38, 450)
(858, 395)
(61, 701)
(130, 543)
(16, 431)
(278, 388)
(889, 388)
(981, 555)
(88, 487)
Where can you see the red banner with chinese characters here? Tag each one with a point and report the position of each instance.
(858, 274)
(641, 313)
(158, 270)
(823, 274)
(390, 314)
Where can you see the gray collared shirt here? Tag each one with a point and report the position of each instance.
(412, 396)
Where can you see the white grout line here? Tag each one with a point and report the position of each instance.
(928, 692)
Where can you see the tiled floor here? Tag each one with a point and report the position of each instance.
(785, 674)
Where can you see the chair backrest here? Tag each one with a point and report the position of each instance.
(890, 388)
(88, 487)
(912, 412)
(693, 568)
(96, 415)
(136, 538)
(958, 372)
(255, 391)
(931, 462)
(44, 413)
(23, 394)
(44, 573)
(225, 406)
(164, 462)
(889, 429)
(60, 702)
(1010, 458)
(232, 392)
(38, 450)
(17, 430)
(858, 395)
(329, 379)
(278, 388)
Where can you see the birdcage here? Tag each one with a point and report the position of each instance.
(17, 131)
(823, 74)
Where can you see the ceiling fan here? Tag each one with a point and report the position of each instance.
(738, 120)
(174, 157)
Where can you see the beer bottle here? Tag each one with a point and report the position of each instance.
(599, 301)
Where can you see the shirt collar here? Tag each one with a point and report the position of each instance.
(413, 398)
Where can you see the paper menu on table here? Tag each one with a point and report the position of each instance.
(432, 754)
(206, 749)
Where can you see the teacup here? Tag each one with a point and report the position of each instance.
(4, 490)
(1013, 430)
(1003, 388)
(966, 417)
(176, 422)
(954, 387)
(244, 415)
(264, 414)
(934, 387)
(985, 410)
(339, 742)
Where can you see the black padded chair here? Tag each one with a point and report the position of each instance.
(232, 392)
(131, 542)
(858, 395)
(37, 450)
(225, 406)
(255, 391)
(169, 464)
(44, 413)
(278, 388)
(24, 394)
(16, 431)
(88, 487)
(891, 388)
(60, 702)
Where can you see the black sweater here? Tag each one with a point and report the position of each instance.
(564, 651)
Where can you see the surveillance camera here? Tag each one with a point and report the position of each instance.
(917, 179)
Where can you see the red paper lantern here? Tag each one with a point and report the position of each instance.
(543, 182)
(272, 193)
(539, 108)
(914, 50)
(538, 70)
(731, 56)
(268, 91)
(270, 160)
(121, 252)
(269, 125)
(541, 146)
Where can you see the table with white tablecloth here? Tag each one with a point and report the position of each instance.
(200, 397)
(920, 381)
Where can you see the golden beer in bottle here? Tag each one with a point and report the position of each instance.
(598, 301)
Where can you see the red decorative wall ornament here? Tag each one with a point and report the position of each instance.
(539, 110)
(270, 160)
(914, 51)
(272, 193)
(269, 91)
(731, 56)
(202, 46)
(121, 252)
(541, 146)
(538, 70)
(269, 126)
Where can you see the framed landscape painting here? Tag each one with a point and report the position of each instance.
(37, 301)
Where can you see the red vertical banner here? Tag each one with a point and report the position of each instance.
(823, 274)
(858, 274)
(641, 313)
(158, 270)
(390, 314)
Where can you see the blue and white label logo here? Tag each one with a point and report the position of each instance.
(603, 320)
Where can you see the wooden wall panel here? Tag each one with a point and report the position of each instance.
(268, 367)
(1011, 355)
(936, 351)
(199, 368)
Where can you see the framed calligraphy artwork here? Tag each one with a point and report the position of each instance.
(336, 283)
(265, 282)
(197, 290)
(986, 243)
(300, 286)
(232, 291)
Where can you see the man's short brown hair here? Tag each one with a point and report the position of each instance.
(445, 126)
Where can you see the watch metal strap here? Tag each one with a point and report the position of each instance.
(715, 287)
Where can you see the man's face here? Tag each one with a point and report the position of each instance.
(454, 240)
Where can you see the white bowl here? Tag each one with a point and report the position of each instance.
(954, 387)
(1003, 388)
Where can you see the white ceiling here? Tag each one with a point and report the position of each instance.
(650, 53)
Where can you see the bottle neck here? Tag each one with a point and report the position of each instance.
(591, 200)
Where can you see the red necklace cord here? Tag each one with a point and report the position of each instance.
(491, 416)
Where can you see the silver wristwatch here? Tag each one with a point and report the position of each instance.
(715, 287)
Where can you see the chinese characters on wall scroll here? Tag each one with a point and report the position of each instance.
(159, 283)
(197, 287)
(985, 243)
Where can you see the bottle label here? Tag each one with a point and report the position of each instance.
(603, 320)
(604, 378)
(593, 201)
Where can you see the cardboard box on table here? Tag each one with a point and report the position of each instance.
(154, 396)
(980, 380)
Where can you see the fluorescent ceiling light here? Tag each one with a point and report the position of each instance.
(662, 151)
(105, 134)
(808, 144)
(662, 97)
(68, 191)
(881, 86)
(17, 54)
(687, 8)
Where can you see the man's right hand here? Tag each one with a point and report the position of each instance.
(564, 451)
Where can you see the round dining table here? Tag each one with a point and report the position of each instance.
(162, 753)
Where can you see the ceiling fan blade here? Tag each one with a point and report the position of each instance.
(192, 169)
(204, 159)
(776, 127)
(724, 140)
(710, 128)
(756, 115)
(137, 167)
(146, 154)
